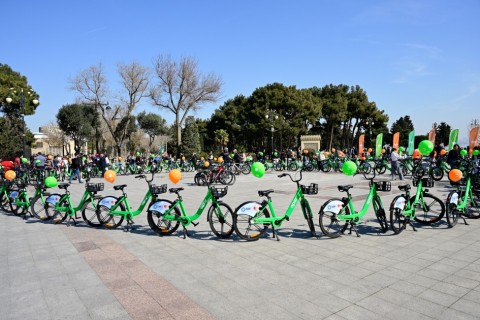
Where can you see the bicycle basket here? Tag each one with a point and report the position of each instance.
(382, 185)
(158, 189)
(426, 182)
(311, 189)
(219, 192)
(94, 187)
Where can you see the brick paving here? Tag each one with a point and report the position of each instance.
(56, 272)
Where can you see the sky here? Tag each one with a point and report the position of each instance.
(412, 57)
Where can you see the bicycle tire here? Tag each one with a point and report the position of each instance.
(227, 178)
(89, 213)
(37, 207)
(473, 209)
(293, 166)
(326, 167)
(243, 225)
(155, 217)
(398, 220)
(219, 218)
(16, 209)
(436, 173)
(55, 215)
(308, 215)
(329, 224)
(381, 169)
(380, 214)
(432, 207)
(107, 220)
(246, 169)
(279, 167)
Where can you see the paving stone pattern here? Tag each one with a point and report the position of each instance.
(57, 272)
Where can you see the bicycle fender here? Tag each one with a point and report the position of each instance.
(333, 205)
(160, 206)
(53, 199)
(250, 208)
(398, 203)
(107, 202)
(453, 198)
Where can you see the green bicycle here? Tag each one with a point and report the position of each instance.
(251, 218)
(58, 207)
(335, 211)
(111, 211)
(5, 187)
(465, 201)
(164, 216)
(423, 207)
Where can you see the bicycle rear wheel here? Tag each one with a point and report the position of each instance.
(37, 206)
(429, 209)
(329, 224)
(473, 209)
(55, 215)
(155, 217)
(220, 217)
(109, 221)
(243, 223)
(436, 173)
(380, 213)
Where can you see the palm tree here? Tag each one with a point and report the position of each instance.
(221, 137)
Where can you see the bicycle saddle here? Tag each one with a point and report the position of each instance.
(264, 193)
(344, 188)
(119, 187)
(63, 185)
(175, 190)
(404, 187)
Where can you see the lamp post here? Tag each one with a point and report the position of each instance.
(272, 116)
(370, 123)
(21, 110)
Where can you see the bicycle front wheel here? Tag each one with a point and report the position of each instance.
(155, 217)
(329, 223)
(243, 221)
(56, 215)
(398, 220)
(220, 217)
(429, 209)
(436, 173)
(308, 215)
(380, 213)
(89, 213)
(37, 206)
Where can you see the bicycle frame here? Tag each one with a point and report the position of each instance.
(406, 205)
(71, 210)
(276, 221)
(128, 213)
(186, 219)
(468, 195)
(356, 216)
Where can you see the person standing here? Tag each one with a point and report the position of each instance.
(395, 157)
(76, 165)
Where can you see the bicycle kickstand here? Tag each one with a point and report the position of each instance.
(464, 221)
(275, 235)
(185, 233)
(70, 219)
(411, 225)
(352, 226)
(129, 226)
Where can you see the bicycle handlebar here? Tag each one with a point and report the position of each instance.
(142, 176)
(287, 174)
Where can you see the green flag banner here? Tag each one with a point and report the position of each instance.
(411, 142)
(453, 139)
(378, 145)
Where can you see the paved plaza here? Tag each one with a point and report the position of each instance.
(52, 271)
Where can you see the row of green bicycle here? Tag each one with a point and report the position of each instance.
(251, 219)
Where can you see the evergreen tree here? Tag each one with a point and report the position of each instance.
(191, 137)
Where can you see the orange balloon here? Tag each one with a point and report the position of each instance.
(455, 175)
(362, 158)
(326, 153)
(333, 150)
(10, 175)
(443, 152)
(341, 154)
(175, 176)
(416, 154)
(220, 159)
(369, 150)
(206, 164)
(383, 150)
(110, 176)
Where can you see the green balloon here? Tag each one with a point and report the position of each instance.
(463, 152)
(476, 152)
(425, 147)
(51, 182)
(24, 160)
(38, 162)
(349, 168)
(258, 169)
(84, 159)
(260, 153)
(138, 153)
(401, 149)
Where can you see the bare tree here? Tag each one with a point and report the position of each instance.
(182, 87)
(92, 86)
(56, 137)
